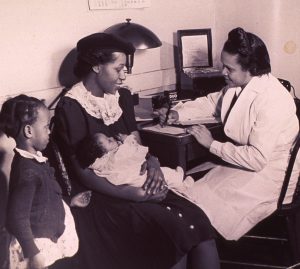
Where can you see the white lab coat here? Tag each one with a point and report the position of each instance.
(263, 125)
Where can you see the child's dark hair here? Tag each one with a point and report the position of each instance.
(89, 150)
(18, 111)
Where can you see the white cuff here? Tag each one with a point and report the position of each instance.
(215, 147)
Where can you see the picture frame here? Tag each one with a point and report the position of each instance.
(195, 48)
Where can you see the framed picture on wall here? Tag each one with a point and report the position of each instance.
(195, 48)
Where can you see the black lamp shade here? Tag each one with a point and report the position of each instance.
(138, 35)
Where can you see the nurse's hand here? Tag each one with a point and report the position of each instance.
(202, 135)
(162, 114)
(155, 181)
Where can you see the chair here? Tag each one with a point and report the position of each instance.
(286, 84)
(274, 242)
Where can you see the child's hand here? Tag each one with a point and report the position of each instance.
(81, 199)
(37, 261)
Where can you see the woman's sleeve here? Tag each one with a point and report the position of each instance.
(66, 136)
(18, 218)
(207, 106)
(69, 126)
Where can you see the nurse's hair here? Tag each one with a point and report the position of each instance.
(252, 52)
(17, 112)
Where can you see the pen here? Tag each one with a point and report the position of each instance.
(167, 114)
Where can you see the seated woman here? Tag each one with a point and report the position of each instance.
(259, 118)
(123, 226)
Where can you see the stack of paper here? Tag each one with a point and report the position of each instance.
(165, 129)
(202, 120)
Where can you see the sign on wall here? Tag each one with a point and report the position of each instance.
(118, 4)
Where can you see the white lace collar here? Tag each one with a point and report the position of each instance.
(106, 108)
(26, 154)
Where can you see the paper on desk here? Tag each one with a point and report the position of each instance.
(201, 120)
(166, 129)
(137, 118)
(202, 107)
(201, 167)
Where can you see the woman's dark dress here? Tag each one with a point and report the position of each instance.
(116, 233)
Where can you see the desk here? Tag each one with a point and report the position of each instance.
(178, 150)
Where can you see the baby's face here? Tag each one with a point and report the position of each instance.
(106, 143)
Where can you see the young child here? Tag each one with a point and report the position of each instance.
(37, 217)
(119, 161)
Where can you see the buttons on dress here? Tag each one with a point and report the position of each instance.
(180, 215)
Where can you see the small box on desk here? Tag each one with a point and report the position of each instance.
(171, 98)
(178, 95)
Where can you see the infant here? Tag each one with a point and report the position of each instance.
(119, 161)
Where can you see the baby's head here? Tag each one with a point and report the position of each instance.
(26, 119)
(95, 146)
(104, 144)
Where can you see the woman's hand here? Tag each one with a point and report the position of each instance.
(202, 135)
(155, 181)
(37, 261)
(162, 113)
(140, 195)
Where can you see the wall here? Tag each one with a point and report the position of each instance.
(275, 21)
(37, 35)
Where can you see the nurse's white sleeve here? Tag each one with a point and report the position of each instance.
(246, 156)
(200, 107)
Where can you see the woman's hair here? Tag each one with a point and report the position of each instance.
(17, 112)
(89, 150)
(252, 51)
(97, 49)
(84, 65)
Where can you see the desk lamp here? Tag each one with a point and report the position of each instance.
(139, 36)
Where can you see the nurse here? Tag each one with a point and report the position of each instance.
(259, 118)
